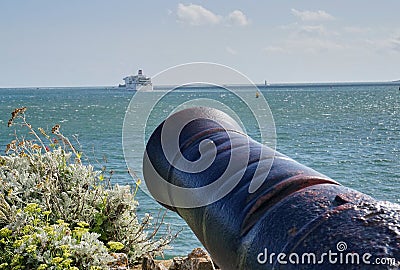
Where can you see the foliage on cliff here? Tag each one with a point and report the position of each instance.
(58, 213)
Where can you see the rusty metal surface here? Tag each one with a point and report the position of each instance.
(296, 210)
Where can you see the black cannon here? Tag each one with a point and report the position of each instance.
(296, 218)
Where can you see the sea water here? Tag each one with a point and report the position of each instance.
(350, 133)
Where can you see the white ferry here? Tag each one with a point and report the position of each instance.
(138, 82)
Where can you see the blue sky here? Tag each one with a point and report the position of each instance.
(90, 43)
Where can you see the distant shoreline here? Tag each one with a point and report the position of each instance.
(259, 85)
(287, 85)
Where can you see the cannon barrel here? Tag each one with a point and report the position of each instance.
(297, 218)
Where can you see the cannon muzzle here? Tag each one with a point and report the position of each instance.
(255, 208)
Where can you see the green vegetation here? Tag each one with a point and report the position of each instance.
(57, 213)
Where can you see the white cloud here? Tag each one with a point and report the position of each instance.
(307, 15)
(237, 17)
(312, 30)
(196, 15)
(308, 37)
(230, 50)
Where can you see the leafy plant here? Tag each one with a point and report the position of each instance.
(47, 171)
(31, 241)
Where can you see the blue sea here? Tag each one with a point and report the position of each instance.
(350, 132)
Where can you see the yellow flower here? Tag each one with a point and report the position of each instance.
(56, 260)
(62, 222)
(64, 247)
(79, 231)
(66, 262)
(115, 245)
(66, 254)
(18, 243)
(27, 229)
(43, 266)
(26, 237)
(31, 249)
(82, 224)
(32, 208)
(49, 230)
(138, 181)
(5, 232)
(16, 259)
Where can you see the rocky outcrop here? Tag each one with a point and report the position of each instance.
(198, 259)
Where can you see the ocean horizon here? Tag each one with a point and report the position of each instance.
(259, 85)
